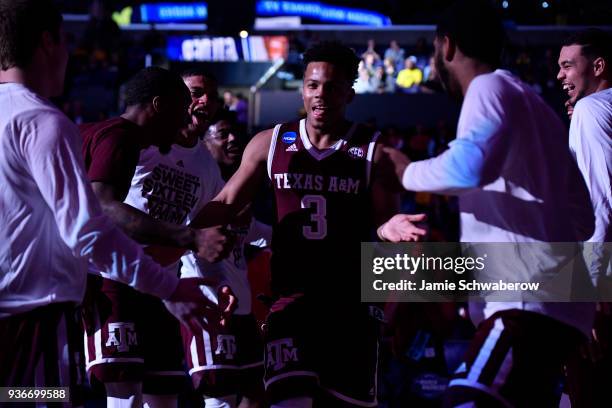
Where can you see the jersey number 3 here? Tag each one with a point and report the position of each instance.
(319, 206)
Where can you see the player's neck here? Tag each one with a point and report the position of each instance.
(603, 85)
(145, 121)
(469, 70)
(33, 81)
(139, 116)
(187, 138)
(322, 138)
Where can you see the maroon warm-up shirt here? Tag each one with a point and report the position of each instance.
(323, 208)
(111, 150)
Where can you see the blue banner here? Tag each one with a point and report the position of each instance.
(173, 12)
(322, 12)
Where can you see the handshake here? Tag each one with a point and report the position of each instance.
(213, 244)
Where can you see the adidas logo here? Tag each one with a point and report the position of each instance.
(180, 163)
(292, 148)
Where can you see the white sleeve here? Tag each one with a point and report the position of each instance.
(591, 131)
(457, 169)
(259, 234)
(467, 162)
(53, 155)
(591, 138)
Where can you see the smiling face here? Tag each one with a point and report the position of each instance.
(576, 73)
(326, 92)
(204, 100)
(222, 142)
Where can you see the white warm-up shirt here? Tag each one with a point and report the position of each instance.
(174, 187)
(590, 140)
(51, 223)
(512, 169)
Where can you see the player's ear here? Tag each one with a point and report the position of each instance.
(449, 48)
(599, 66)
(158, 104)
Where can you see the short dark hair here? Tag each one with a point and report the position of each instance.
(336, 54)
(223, 114)
(149, 83)
(22, 23)
(226, 115)
(191, 72)
(476, 28)
(594, 43)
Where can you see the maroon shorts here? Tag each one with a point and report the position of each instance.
(226, 361)
(43, 347)
(130, 336)
(516, 359)
(329, 354)
(32, 346)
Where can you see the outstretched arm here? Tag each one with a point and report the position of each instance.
(209, 243)
(240, 190)
(237, 193)
(391, 226)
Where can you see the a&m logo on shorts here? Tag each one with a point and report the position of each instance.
(289, 137)
(356, 153)
(226, 344)
(121, 335)
(280, 352)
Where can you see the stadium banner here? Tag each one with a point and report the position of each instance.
(321, 12)
(173, 12)
(227, 49)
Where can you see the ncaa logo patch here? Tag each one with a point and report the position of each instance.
(289, 137)
(356, 153)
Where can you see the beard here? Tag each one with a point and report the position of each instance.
(445, 78)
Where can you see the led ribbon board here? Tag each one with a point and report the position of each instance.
(321, 12)
(173, 12)
(227, 49)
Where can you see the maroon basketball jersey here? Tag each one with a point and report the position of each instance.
(323, 207)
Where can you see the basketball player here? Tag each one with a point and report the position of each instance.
(188, 171)
(516, 183)
(223, 142)
(332, 192)
(233, 364)
(122, 342)
(585, 72)
(53, 225)
(204, 92)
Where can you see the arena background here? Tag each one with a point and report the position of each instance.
(254, 48)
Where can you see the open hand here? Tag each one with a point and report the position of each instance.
(401, 228)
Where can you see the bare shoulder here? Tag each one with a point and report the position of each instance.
(258, 147)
